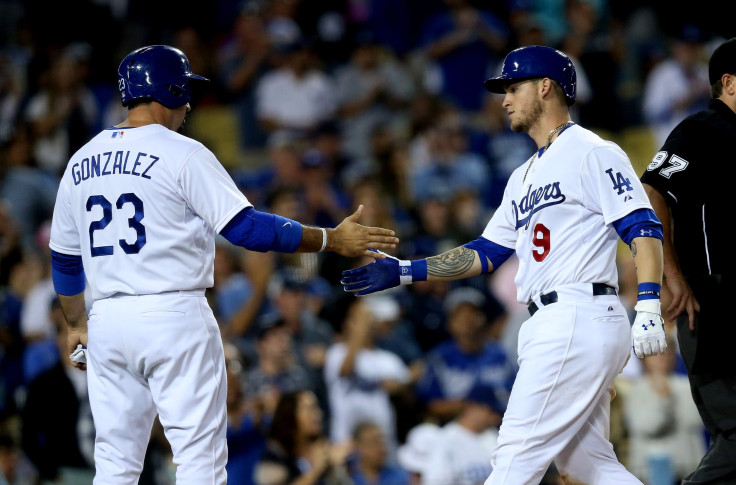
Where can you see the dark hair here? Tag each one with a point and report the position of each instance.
(284, 424)
(716, 89)
(362, 427)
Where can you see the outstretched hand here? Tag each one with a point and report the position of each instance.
(352, 239)
(376, 276)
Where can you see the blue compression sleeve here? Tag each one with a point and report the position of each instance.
(67, 273)
(262, 232)
(640, 223)
(488, 249)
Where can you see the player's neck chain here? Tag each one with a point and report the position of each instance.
(549, 142)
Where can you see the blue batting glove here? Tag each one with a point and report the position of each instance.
(376, 276)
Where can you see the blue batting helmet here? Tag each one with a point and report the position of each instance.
(536, 61)
(158, 72)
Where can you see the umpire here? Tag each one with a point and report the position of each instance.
(690, 184)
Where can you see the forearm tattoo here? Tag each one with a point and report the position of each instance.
(455, 262)
(633, 248)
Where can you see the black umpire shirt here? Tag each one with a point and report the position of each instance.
(694, 172)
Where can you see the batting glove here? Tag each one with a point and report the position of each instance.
(647, 334)
(79, 356)
(377, 276)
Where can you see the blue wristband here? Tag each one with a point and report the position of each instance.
(419, 270)
(649, 291)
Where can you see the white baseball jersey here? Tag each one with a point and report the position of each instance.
(142, 206)
(559, 219)
(459, 457)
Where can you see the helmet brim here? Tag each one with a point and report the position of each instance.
(498, 84)
(196, 77)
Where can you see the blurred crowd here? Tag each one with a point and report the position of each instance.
(331, 104)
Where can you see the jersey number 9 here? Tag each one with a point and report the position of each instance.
(133, 222)
(541, 241)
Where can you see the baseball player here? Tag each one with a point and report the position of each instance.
(562, 213)
(136, 214)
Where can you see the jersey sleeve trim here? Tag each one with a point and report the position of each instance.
(64, 250)
(231, 215)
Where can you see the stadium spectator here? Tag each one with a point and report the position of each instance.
(369, 465)
(662, 419)
(361, 379)
(413, 455)
(372, 90)
(678, 86)
(469, 360)
(296, 449)
(463, 447)
(60, 444)
(297, 96)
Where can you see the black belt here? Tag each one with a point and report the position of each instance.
(551, 297)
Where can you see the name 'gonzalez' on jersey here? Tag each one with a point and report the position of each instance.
(552, 219)
(142, 202)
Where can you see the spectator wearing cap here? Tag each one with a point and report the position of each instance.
(325, 203)
(678, 86)
(362, 379)
(277, 369)
(242, 61)
(469, 359)
(413, 455)
(462, 451)
(450, 164)
(297, 96)
(463, 41)
(64, 114)
(372, 89)
(310, 334)
(60, 443)
(369, 464)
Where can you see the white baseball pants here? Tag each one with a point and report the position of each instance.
(569, 354)
(157, 354)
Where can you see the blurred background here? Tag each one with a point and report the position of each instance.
(315, 107)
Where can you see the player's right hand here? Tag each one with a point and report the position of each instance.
(352, 239)
(76, 336)
(376, 276)
(647, 334)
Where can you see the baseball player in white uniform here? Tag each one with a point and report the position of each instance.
(563, 212)
(136, 214)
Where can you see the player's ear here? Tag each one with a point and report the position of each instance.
(545, 87)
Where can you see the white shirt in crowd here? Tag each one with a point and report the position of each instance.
(359, 397)
(460, 457)
(297, 103)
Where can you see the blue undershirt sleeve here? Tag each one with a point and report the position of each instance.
(488, 249)
(263, 232)
(67, 274)
(640, 223)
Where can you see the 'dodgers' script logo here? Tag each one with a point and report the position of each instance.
(536, 200)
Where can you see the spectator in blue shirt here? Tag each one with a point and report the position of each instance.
(370, 463)
(468, 360)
